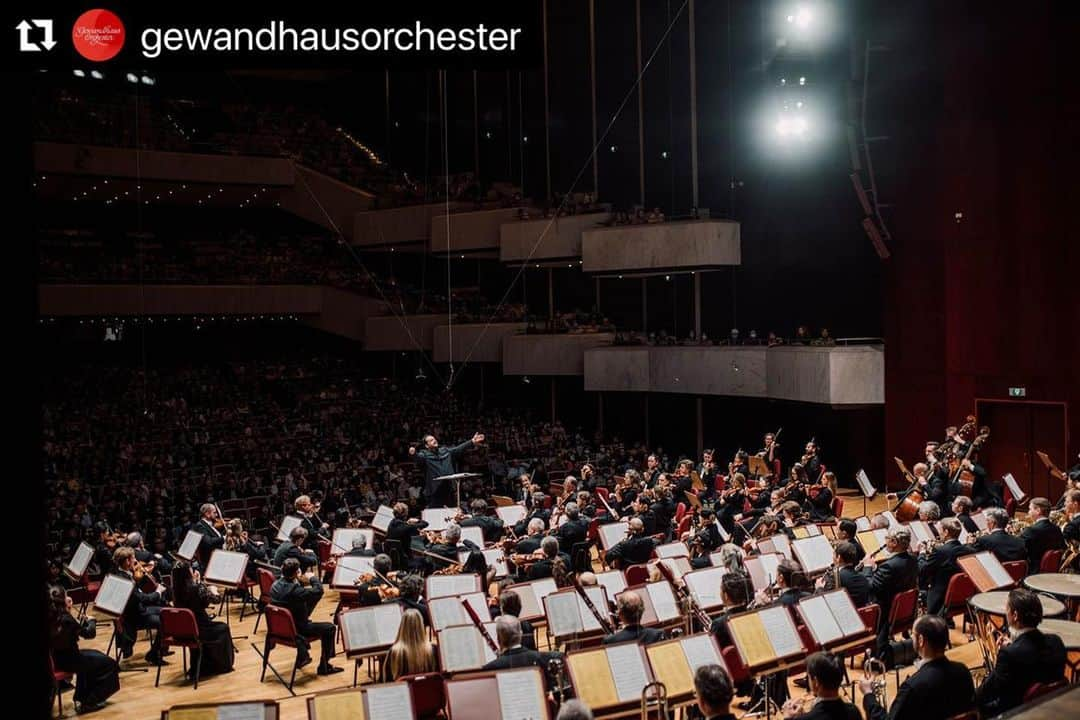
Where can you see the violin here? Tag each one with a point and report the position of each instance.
(387, 590)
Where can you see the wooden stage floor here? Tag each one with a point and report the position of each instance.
(138, 699)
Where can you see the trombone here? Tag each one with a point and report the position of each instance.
(654, 700)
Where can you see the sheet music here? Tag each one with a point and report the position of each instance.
(447, 611)
(671, 550)
(339, 705)
(814, 553)
(242, 711)
(444, 585)
(226, 567)
(613, 581)
(361, 629)
(763, 569)
(678, 566)
(1014, 488)
(531, 606)
(862, 523)
(489, 654)
(843, 609)
(893, 522)
(387, 621)
(190, 546)
(612, 533)
(663, 600)
(704, 586)
(599, 598)
(782, 545)
(383, 516)
(724, 534)
(781, 631)
(627, 671)
(113, 594)
(995, 569)
(80, 560)
(543, 588)
(564, 614)
(813, 530)
(350, 567)
(478, 602)
(287, 524)
(818, 616)
(342, 541)
(865, 485)
(520, 695)
(494, 557)
(920, 531)
(511, 514)
(460, 647)
(980, 521)
(438, 518)
(389, 702)
(699, 650)
(963, 535)
(473, 533)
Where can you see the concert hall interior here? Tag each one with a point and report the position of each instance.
(730, 354)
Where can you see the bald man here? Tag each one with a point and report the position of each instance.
(636, 548)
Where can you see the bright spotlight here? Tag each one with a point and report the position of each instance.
(802, 80)
(147, 80)
(96, 75)
(79, 73)
(803, 17)
(132, 78)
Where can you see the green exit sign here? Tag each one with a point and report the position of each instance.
(1017, 392)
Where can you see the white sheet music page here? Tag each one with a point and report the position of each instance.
(997, 571)
(543, 588)
(724, 534)
(920, 531)
(520, 694)
(489, 654)
(704, 586)
(473, 533)
(599, 599)
(589, 623)
(287, 524)
(663, 600)
(226, 567)
(563, 614)
(843, 609)
(699, 650)
(613, 581)
(478, 602)
(511, 514)
(820, 619)
(387, 622)
(1014, 488)
(437, 518)
(444, 585)
(460, 647)
(781, 631)
(447, 611)
(113, 594)
(612, 533)
(865, 485)
(627, 670)
(383, 516)
(782, 545)
(862, 523)
(80, 560)
(361, 629)
(190, 546)
(389, 702)
(242, 711)
(670, 550)
(531, 606)
(814, 553)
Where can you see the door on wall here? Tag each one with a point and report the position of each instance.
(1017, 430)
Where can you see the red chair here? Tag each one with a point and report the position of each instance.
(870, 615)
(428, 693)
(902, 612)
(603, 492)
(739, 672)
(86, 594)
(838, 507)
(684, 525)
(680, 511)
(777, 467)
(637, 574)
(266, 583)
(593, 533)
(179, 629)
(1051, 561)
(809, 643)
(1039, 689)
(719, 482)
(323, 548)
(957, 594)
(58, 676)
(1017, 569)
(281, 630)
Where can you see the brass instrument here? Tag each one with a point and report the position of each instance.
(1017, 526)
(799, 706)
(1069, 557)
(556, 669)
(654, 702)
(874, 670)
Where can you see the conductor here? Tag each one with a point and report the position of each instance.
(438, 462)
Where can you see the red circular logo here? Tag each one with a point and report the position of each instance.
(98, 35)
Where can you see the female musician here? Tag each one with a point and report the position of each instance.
(794, 486)
(702, 539)
(820, 497)
(97, 674)
(626, 492)
(237, 540)
(731, 502)
(738, 465)
(731, 557)
(217, 646)
(411, 652)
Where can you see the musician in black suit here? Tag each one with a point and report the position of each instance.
(359, 548)
(490, 525)
(630, 608)
(1005, 547)
(1071, 531)
(846, 531)
(736, 590)
(636, 548)
(825, 675)
(961, 508)
(812, 461)
(791, 581)
(1031, 656)
(531, 542)
(891, 577)
(714, 692)
(820, 497)
(937, 567)
(450, 545)
(510, 604)
(403, 528)
(574, 529)
(368, 590)
(143, 609)
(1042, 535)
(739, 466)
(644, 514)
(706, 538)
(310, 521)
(212, 538)
(940, 688)
(536, 512)
(731, 501)
(412, 588)
(512, 654)
(663, 510)
(295, 549)
(439, 462)
(554, 563)
(855, 582)
(300, 598)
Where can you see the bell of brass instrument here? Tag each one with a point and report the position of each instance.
(874, 670)
(654, 699)
(556, 671)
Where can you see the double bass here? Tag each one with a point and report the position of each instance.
(962, 478)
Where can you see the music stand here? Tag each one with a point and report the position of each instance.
(457, 478)
(227, 569)
(758, 466)
(867, 487)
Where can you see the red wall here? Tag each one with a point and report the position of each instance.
(992, 301)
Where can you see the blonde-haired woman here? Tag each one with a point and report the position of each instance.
(411, 652)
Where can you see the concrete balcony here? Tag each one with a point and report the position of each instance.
(475, 342)
(690, 244)
(562, 354)
(387, 332)
(470, 232)
(397, 226)
(561, 241)
(836, 376)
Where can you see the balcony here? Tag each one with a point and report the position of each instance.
(526, 240)
(554, 354)
(690, 244)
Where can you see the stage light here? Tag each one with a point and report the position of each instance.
(613, 148)
(802, 81)
(664, 154)
(132, 78)
(147, 80)
(79, 73)
(96, 75)
(800, 17)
